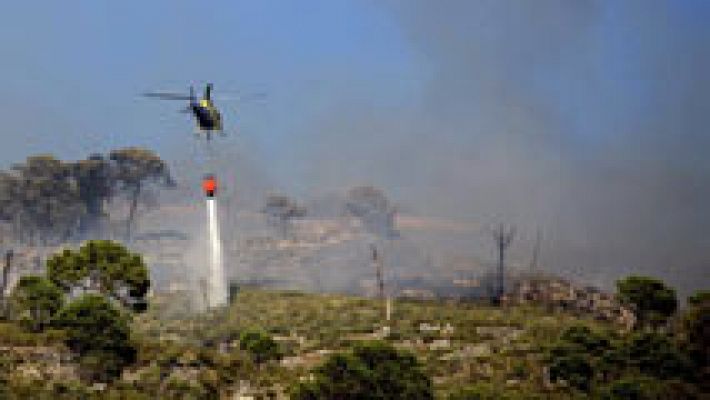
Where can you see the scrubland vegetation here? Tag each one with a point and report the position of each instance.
(274, 344)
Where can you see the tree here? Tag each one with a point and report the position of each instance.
(94, 177)
(98, 333)
(103, 266)
(260, 345)
(653, 301)
(280, 210)
(48, 200)
(9, 205)
(370, 205)
(35, 300)
(373, 370)
(41, 199)
(133, 169)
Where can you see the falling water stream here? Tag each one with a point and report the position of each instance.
(217, 289)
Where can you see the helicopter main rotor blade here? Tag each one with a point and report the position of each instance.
(167, 96)
(241, 96)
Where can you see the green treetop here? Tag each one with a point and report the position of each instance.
(35, 300)
(653, 301)
(109, 269)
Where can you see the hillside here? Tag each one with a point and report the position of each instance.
(458, 343)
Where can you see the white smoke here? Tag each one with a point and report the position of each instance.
(217, 295)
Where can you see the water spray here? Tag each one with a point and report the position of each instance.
(216, 288)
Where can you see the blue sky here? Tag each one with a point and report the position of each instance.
(586, 118)
(72, 72)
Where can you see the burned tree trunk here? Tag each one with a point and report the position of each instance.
(9, 255)
(132, 210)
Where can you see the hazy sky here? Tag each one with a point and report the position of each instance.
(71, 73)
(588, 119)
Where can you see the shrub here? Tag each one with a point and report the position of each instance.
(35, 300)
(655, 355)
(636, 388)
(576, 355)
(372, 370)
(260, 345)
(694, 333)
(653, 301)
(99, 333)
(574, 368)
(586, 359)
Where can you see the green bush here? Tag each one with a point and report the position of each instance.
(260, 345)
(655, 355)
(574, 368)
(576, 355)
(99, 333)
(590, 341)
(653, 301)
(373, 370)
(34, 301)
(585, 359)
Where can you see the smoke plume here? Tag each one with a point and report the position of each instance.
(586, 120)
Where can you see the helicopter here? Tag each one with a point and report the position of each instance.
(206, 114)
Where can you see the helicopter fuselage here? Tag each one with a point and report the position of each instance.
(207, 116)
